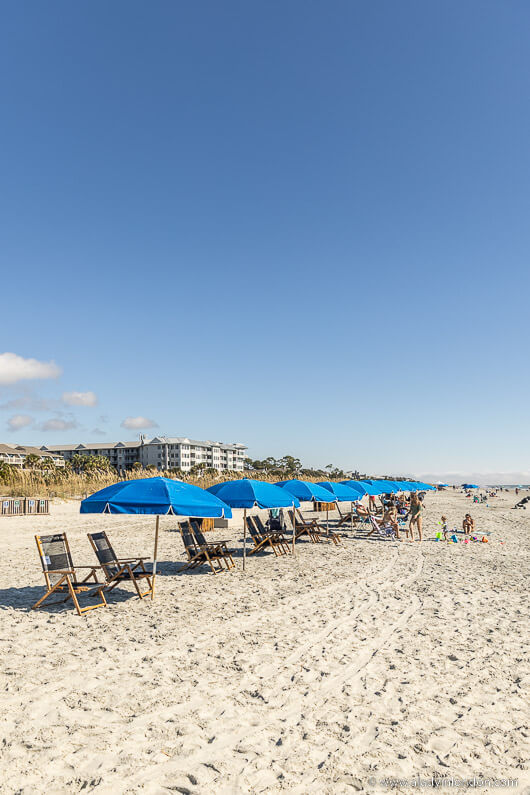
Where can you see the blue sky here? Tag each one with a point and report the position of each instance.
(299, 225)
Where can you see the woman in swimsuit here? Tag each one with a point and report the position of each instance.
(415, 516)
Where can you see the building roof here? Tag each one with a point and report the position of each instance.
(57, 448)
(23, 450)
(194, 442)
(8, 448)
(89, 446)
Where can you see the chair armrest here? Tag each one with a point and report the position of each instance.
(131, 560)
(60, 571)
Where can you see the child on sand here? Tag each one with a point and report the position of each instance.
(444, 526)
(468, 525)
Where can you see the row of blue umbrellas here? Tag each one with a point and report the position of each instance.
(163, 496)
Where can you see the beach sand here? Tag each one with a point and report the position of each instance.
(326, 673)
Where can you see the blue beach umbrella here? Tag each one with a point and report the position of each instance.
(157, 496)
(362, 487)
(306, 491)
(388, 486)
(340, 491)
(373, 487)
(247, 493)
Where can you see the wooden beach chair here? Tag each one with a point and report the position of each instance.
(303, 528)
(198, 556)
(218, 547)
(263, 540)
(317, 528)
(348, 517)
(276, 535)
(117, 570)
(61, 577)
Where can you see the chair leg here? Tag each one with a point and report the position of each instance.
(58, 585)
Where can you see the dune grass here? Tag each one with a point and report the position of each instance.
(71, 485)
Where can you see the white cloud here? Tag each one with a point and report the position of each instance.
(98, 432)
(15, 368)
(30, 403)
(138, 423)
(18, 421)
(80, 398)
(58, 425)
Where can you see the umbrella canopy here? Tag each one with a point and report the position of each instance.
(156, 496)
(469, 486)
(387, 486)
(408, 485)
(247, 493)
(305, 490)
(341, 491)
(362, 487)
(374, 487)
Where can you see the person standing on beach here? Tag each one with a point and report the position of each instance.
(415, 512)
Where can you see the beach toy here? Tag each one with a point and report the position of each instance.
(454, 539)
(466, 540)
(438, 536)
(484, 540)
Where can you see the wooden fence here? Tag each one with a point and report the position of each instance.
(21, 506)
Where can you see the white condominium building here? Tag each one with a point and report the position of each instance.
(162, 452)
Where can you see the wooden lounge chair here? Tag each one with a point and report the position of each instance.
(61, 574)
(304, 528)
(314, 526)
(197, 556)
(348, 517)
(263, 540)
(118, 570)
(218, 547)
(277, 536)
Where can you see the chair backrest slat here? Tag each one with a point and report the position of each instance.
(54, 554)
(104, 553)
(253, 530)
(300, 517)
(260, 526)
(188, 540)
(287, 520)
(197, 532)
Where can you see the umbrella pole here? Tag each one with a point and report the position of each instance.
(157, 525)
(294, 527)
(244, 537)
(351, 516)
(327, 522)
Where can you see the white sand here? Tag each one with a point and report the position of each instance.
(307, 675)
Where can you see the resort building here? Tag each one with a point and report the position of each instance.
(16, 455)
(162, 452)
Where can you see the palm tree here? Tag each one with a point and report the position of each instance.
(32, 461)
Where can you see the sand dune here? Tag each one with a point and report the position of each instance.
(317, 674)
